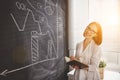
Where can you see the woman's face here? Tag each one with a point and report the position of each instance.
(90, 31)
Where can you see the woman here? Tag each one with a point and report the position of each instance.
(89, 52)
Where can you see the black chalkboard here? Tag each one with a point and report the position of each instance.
(32, 39)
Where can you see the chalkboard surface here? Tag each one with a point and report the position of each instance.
(32, 39)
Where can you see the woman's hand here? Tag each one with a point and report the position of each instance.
(72, 58)
(77, 57)
(76, 67)
(85, 68)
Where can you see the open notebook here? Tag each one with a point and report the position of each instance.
(75, 63)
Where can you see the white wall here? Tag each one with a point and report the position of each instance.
(106, 12)
(78, 20)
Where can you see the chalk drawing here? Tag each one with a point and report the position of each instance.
(42, 19)
(52, 44)
(49, 7)
(5, 72)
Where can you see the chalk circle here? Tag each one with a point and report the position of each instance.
(49, 10)
(23, 7)
(18, 5)
(39, 5)
(41, 19)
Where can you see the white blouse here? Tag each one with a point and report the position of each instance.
(90, 56)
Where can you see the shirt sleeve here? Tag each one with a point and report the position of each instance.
(95, 59)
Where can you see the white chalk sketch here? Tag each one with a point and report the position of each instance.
(34, 34)
(49, 7)
(36, 48)
(52, 45)
(5, 72)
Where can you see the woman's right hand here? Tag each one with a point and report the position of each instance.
(76, 67)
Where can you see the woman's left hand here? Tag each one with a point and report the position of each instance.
(85, 68)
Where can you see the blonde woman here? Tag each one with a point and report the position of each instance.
(89, 52)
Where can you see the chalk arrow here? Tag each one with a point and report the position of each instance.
(5, 72)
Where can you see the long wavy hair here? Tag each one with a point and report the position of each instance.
(98, 38)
